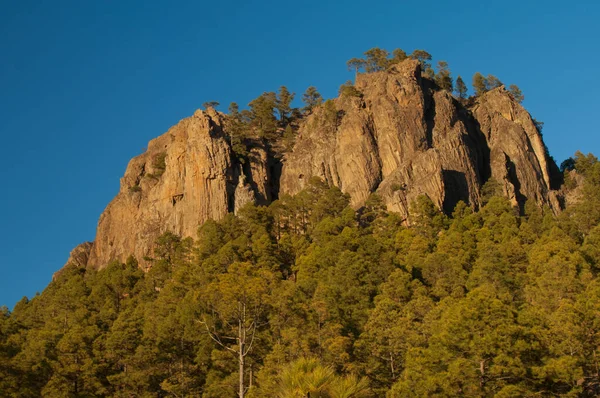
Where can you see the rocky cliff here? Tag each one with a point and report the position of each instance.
(187, 176)
(403, 138)
(398, 135)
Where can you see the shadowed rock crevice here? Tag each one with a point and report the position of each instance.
(511, 171)
(478, 146)
(428, 89)
(456, 189)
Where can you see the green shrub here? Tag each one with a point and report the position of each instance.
(158, 164)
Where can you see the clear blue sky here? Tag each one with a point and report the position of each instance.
(85, 84)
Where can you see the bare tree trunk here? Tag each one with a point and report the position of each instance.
(242, 342)
(482, 372)
(242, 390)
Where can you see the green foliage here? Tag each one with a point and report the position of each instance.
(356, 64)
(480, 85)
(331, 113)
(135, 188)
(302, 296)
(398, 55)
(239, 130)
(424, 58)
(443, 78)
(210, 104)
(376, 59)
(490, 189)
(158, 165)
(307, 377)
(492, 82)
(311, 99)
(283, 104)
(461, 88)
(262, 118)
(348, 90)
(516, 92)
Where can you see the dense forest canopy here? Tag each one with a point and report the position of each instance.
(309, 297)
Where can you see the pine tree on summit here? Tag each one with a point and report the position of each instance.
(376, 60)
(443, 78)
(311, 99)
(356, 64)
(283, 104)
(516, 92)
(461, 88)
(480, 84)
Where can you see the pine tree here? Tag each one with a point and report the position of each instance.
(262, 115)
(480, 84)
(283, 104)
(376, 60)
(492, 82)
(461, 88)
(443, 77)
(356, 64)
(210, 104)
(516, 92)
(398, 55)
(311, 99)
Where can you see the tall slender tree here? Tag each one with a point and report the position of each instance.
(311, 98)
(284, 104)
(356, 64)
(443, 77)
(480, 84)
(461, 88)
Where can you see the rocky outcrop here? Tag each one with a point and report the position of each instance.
(402, 138)
(399, 136)
(79, 257)
(187, 176)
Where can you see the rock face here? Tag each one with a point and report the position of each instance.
(402, 137)
(187, 176)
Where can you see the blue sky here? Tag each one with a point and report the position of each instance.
(85, 85)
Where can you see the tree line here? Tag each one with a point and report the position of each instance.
(378, 59)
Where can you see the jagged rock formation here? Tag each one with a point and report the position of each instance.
(401, 138)
(187, 176)
(78, 257)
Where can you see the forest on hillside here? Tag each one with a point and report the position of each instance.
(309, 297)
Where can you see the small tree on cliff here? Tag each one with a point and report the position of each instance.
(210, 104)
(480, 84)
(283, 104)
(461, 88)
(492, 82)
(516, 92)
(398, 55)
(311, 98)
(356, 64)
(443, 78)
(377, 59)
(424, 58)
